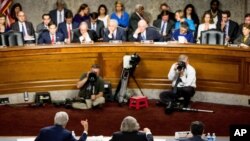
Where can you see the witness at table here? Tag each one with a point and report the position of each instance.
(206, 24)
(113, 32)
(183, 35)
(84, 34)
(120, 15)
(14, 12)
(3, 26)
(51, 36)
(82, 14)
(103, 14)
(129, 131)
(144, 32)
(244, 39)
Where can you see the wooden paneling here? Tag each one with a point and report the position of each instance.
(43, 68)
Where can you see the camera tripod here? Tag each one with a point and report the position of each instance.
(120, 93)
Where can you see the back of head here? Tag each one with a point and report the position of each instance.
(61, 118)
(183, 58)
(197, 128)
(129, 124)
(93, 15)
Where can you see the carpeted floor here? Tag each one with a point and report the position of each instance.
(27, 121)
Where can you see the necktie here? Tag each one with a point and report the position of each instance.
(60, 17)
(94, 27)
(113, 36)
(69, 32)
(52, 39)
(162, 28)
(23, 30)
(143, 37)
(176, 84)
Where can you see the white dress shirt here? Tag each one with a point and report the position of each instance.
(60, 16)
(21, 25)
(188, 78)
(143, 34)
(114, 34)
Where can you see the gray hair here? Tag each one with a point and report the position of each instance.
(61, 118)
(183, 58)
(113, 21)
(129, 124)
(83, 23)
(138, 6)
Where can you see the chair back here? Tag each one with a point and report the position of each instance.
(15, 39)
(73, 31)
(212, 37)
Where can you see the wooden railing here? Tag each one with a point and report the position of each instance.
(58, 67)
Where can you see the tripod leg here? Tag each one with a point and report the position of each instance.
(137, 85)
(124, 82)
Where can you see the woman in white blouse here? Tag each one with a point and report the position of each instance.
(103, 14)
(206, 24)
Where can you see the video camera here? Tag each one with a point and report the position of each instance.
(131, 61)
(181, 65)
(92, 78)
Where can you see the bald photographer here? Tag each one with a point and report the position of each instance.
(91, 87)
(183, 77)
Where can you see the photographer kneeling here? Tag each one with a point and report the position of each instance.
(183, 78)
(91, 88)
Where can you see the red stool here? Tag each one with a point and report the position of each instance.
(138, 102)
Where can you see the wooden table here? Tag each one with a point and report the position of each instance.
(58, 67)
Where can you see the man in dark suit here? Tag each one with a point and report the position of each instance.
(51, 36)
(215, 11)
(113, 32)
(164, 7)
(246, 21)
(143, 32)
(165, 25)
(57, 132)
(197, 128)
(23, 26)
(135, 18)
(96, 25)
(130, 131)
(229, 27)
(57, 15)
(67, 26)
(44, 24)
(84, 34)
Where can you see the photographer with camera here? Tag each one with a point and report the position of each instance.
(91, 87)
(183, 77)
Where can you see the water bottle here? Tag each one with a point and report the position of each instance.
(209, 138)
(213, 137)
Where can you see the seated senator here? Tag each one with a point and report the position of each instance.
(84, 34)
(183, 35)
(197, 129)
(51, 36)
(91, 87)
(129, 131)
(57, 132)
(113, 32)
(143, 32)
(244, 38)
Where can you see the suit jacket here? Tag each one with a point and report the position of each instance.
(40, 28)
(240, 39)
(78, 34)
(99, 28)
(131, 136)
(53, 14)
(133, 22)
(62, 27)
(170, 26)
(232, 31)
(57, 133)
(29, 28)
(44, 38)
(151, 34)
(120, 35)
(194, 138)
